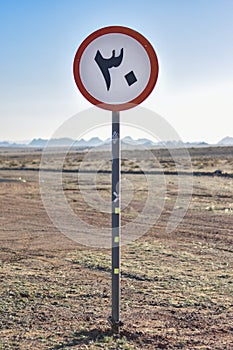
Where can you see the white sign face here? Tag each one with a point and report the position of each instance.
(115, 68)
(127, 80)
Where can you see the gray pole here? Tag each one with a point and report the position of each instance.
(115, 319)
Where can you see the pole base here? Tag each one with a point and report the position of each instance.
(115, 325)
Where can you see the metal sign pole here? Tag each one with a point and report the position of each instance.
(115, 319)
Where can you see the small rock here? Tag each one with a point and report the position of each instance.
(218, 172)
(24, 294)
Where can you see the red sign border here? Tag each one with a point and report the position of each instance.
(153, 63)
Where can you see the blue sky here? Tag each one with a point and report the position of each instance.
(192, 38)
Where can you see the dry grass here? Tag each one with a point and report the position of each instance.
(176, 289)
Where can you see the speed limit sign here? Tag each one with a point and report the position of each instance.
(115, 68)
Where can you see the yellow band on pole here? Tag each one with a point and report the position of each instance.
(116, 271)
(117, 210)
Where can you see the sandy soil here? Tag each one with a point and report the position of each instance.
(177, 288)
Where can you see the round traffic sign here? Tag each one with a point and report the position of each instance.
(115, 68)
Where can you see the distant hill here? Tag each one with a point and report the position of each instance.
(5, 144)
(196, 144)
(226, 141)
(64, 142)
(138, 142)
(93, 142)
(11, 144)
(127, 142)
(38, 143)
(179, 143)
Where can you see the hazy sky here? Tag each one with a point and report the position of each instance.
(192, 38)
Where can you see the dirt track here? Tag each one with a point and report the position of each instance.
(177, 289)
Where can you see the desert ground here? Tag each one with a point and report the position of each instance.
(176, 287)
